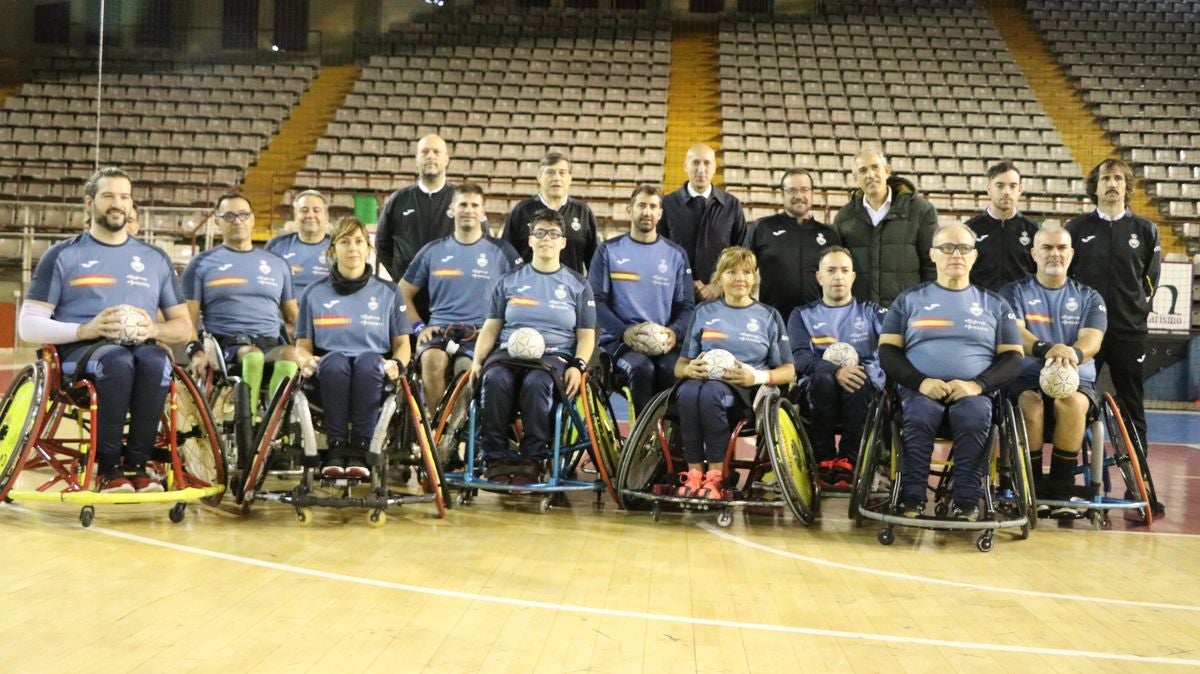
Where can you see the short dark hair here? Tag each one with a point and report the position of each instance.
(93, 183)
(1002, 166)
(548, 217)
(467, 188)
(232, 195)
(796, 172)
(647, 189)
(1093, 178)
(553, 158)
(836, 249)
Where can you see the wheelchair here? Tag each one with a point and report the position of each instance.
(1115, 450)
(782, 471)
(1009, 500)
(228, 397)
(289, 431)
(48, 432)
(583, 428)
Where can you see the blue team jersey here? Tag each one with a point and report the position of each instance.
(1056, 315)
(82, 277)
(635, 282)
(755, 335)
(554, 304)
(306, 260)
(459, 277)
(239, 291)
(364, 321)
(813, 327)
(951, 334)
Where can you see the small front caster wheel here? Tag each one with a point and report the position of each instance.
(886, 536)
(86, 515)
(177, 512)
(724, 519)
(376, 518)
(305, 517)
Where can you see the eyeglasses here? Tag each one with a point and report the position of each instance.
(552, 234)
(963, 249)
(793, 191)
(233, 216)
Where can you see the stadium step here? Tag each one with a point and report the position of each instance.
(693, 98)
(284, 156)
(13, 74)
(1080, 129)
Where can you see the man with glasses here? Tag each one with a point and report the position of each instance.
(888, 228)
(458, 271)
(947, 344)
(554, 179)
(304, 249)
(789, 246)
(244, 298)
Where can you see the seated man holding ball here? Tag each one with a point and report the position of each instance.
(541, 299)
(644, 298)
(1062, 325)
(834, 342)
(947, 344)
(95, 296)
(734, 345)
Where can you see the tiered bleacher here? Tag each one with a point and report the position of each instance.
(186, 131)
(811, 91)
(503, 90)
(1137, 64)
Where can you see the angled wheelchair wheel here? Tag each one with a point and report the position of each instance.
(22, 414)
(196, 439)
(643, 460)
(792, 460)
(433, 481)
(1125, 457)
(450, 420)
(1015, 470)
(278, 417)
(870, 454)
(602, 433)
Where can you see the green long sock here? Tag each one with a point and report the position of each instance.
(252, 374)
(281, 371)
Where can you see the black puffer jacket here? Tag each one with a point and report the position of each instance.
(894, 255)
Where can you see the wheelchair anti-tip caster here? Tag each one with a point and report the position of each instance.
(304, 516)
(656, 511)
(376, 518)
(984, 542)
(725, 518)
(86, 515)
(177, 512)
(886, 536)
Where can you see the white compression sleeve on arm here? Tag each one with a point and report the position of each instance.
(36, 325)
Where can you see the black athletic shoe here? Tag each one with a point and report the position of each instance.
(911, 509)
(965, 512)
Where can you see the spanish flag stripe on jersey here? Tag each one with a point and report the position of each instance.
(447, 273)
(712, 334)
(625, 276)
(226, 281)
(824, 339)
(1037, 318)
(331, 321)
(933, 323)
(94, 281)
(524, 301)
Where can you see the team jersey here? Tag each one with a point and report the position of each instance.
(239, 291)
(82, 277)
(555, 304)
(364, 321)
(307, 260)
(755, 334)
(635, 282)
(460, 276)
(813, 327)
(951, 334)
(1056, 315)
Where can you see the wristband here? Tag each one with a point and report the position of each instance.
(194, 347)
(760, 377)
(1040, 348)
(418, 327)
(1078, 354)
(577, 363)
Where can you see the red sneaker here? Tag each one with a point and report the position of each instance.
(144, 484)
(713, 487)
(116, 483)
(690, 483)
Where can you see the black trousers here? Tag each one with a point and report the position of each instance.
(1124, 355)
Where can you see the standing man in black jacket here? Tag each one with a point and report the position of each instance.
(1119, 255)
(582, 232)
(789, 246)
(702, 219)
(415, 215)
(1005, 234)
(888, 229)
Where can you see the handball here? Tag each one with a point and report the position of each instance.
(131, 325)
(652, 340)
(841, 354)
(526, 343)
(1058, 381)
(719, 362)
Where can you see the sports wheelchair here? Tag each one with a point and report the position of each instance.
(290, 430)
(228, 397)
(583, 427)
(780, 472)
(1120, 450)
(1009, 501)
(48, 432)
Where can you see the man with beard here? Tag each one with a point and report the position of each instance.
(304, 249)
(1005, 234)
(888, 229)
(554, 179)
(82, 290)
(415, 215)
(642, 282)
(1118, 254)
(702, 219)
(789, 246)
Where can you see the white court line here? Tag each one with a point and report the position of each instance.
(942, 581)
(639, 615)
